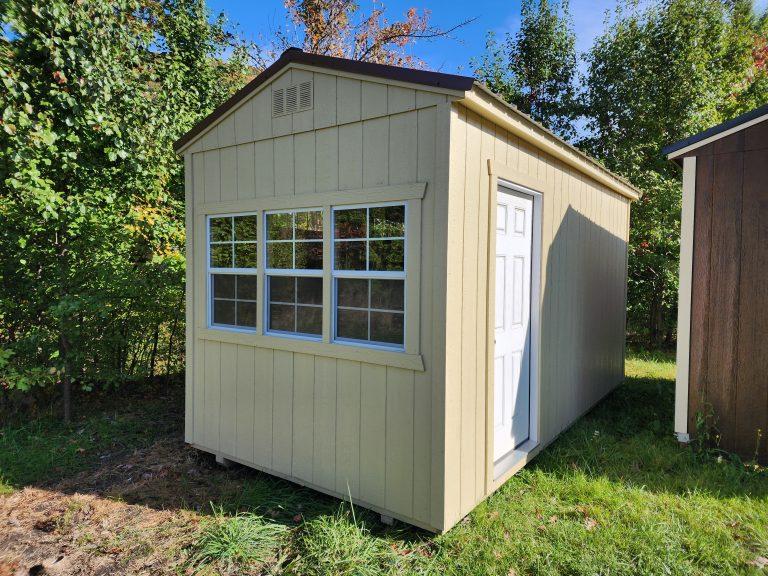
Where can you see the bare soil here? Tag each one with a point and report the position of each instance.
(125, 517)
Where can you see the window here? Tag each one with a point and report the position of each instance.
(369, 274)
(294, 269)
(232, 266)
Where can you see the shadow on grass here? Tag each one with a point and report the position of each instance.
(132, 450)
(629, 438)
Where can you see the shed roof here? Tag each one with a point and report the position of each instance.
(411, 75)
(463, 87)
(716, 132)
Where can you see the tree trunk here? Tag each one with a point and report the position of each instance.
(66, 379)
(655, 321)
(153, 356)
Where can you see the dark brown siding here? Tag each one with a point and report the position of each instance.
(729, 309)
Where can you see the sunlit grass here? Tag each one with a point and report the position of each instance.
(615, 495)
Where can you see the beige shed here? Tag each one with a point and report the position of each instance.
(399, 287)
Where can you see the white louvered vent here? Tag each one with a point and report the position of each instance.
(305, 95)
(296, 98)
(278, 102)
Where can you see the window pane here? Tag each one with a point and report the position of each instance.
(309, 319)
(352, 324)
(352, 292)
(223, 286)
(246, 314)
(387, 327)
(387, 221)
(350, 223)
(281, 317)
(387, 294)
(309, 290)
(309, 225)
(386, 255)
(245, 227)
(224, 312)
(350, 255)
(246, 287)
(245, 255)
(280, 255)
(280, 226)
(221, 229)
(221, 255)
(282, 289)
(309, 255)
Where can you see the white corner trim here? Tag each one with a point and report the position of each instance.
(684, 297)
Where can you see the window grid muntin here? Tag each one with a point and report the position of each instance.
(368, 238)
(368, 274)
(295, 304)
(236, 300)
(291, 272)
(212, 270)
(232, 240)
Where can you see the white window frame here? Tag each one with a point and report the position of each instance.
(300, 272)
(211, 270)
(369, 274)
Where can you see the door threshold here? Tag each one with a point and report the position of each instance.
(513, 458)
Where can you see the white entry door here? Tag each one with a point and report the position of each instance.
(512, 352)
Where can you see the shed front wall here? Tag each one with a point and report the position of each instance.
(729, 298)
(582, 298)
(341, 425)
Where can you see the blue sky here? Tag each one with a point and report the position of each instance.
(444, 55)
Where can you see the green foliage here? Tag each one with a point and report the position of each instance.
(655, 76)
(91, 192)
(236, 541)
(535, 69)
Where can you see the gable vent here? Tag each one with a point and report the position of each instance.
(278, 102)
(295, 98)
(305, 95)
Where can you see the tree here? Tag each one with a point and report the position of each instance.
(535, 69)
(91, 193)
(339, 28)
(655, 76)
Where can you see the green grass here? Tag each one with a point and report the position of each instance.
(615, 495)
(43, 450)
(240, 540)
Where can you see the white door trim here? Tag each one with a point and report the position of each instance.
(514, 457)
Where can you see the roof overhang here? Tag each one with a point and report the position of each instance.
(687, 145)
(488, 105)
(296, 56)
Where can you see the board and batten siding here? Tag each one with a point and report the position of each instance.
(342, 426)
(582, 300)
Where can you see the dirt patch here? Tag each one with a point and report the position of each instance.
(135, 515)
(48, 532)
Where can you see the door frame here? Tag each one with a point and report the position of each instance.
(498, 472)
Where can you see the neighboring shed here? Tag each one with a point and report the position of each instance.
(358, 237)
(722, 334)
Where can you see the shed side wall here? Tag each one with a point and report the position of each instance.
(341, 426)
(583, 295)
(729, 316)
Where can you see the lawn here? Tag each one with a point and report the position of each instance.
(119, 493)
